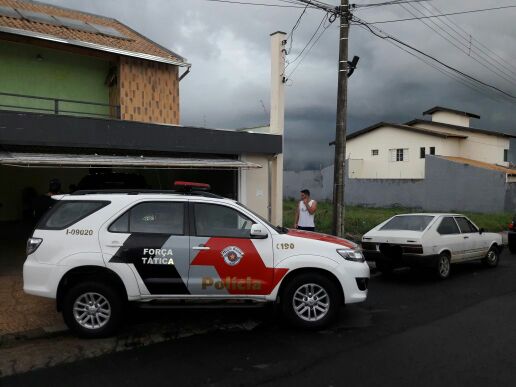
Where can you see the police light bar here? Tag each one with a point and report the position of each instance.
(191, 186)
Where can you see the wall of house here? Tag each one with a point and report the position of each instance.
(254, 185)
(149, 91)
(45, 72)
(478, 146)
(451, 118)
(386, 138)
(448, 186)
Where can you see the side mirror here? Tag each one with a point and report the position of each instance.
(481, 231)
(259, 231)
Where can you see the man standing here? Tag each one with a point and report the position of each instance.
(305, 212)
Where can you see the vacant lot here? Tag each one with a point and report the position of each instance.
(359, 220)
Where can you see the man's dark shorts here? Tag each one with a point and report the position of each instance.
(306, 228)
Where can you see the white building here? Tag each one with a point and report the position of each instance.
(398, 151)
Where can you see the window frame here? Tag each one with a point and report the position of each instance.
(59, 204)
(432, 150)
(454, 221)
(506, 155)
(422, 152)
(186, 227)
(193, 225)
(375, 152)
(470, 222)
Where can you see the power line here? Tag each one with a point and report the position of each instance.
(298, 21)
(460, 46)
(449, 67)
(442, 15)
(483, 48)
(309, 41)
(447, 73)
(394, 2)
(257, 4)
(289, 76)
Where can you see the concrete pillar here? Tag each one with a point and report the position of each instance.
(277, 123)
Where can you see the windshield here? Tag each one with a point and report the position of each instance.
(408, 223)
(280, 229)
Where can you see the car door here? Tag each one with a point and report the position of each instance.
(152, 239)
(471, 236)
(450, 237)
(224, 259)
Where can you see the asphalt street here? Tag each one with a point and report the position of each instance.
(413, 330)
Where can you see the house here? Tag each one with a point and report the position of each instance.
(82, 95)
(399, 151)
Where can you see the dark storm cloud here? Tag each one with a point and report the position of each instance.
(228, 46)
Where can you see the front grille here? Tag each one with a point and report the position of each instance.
(368, 246)
(362, 283)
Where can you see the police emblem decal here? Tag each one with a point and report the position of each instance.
(232, 255)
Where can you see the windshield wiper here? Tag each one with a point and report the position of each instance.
(281, 229)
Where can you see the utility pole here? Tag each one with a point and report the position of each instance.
(341, 127)
(345, 70)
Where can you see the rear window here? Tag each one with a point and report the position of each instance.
(68, 212)
(408, 223)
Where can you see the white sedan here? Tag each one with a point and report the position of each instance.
(430, 240)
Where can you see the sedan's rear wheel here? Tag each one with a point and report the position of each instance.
(443, 267)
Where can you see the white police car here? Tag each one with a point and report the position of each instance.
(96, 251)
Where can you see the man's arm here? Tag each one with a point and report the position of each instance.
(311, 208)
(296, 221)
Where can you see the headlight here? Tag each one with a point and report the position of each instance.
(33, 244)
(351, 255)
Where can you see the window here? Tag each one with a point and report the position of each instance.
(448, 226)
(68, 212)
(466, 227)
(506, 155)
(432, 150)
(374, 152)
(220, 221)
(422, 152)
(408, 223)
(399, 154)
(152, 218)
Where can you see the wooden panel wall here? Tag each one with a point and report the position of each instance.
(149, 91)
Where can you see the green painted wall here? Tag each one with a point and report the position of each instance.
(55, 74)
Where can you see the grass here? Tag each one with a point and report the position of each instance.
(359, 220)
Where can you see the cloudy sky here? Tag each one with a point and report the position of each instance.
(229, 48)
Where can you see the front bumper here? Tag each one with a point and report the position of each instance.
(354, 279)
(403, 260)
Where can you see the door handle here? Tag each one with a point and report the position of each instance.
(200, 247)
(115, 244)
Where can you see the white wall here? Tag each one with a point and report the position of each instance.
(365, 166)
(478, 146)
(451, 118)
(254, 185)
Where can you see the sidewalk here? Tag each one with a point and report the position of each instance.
(22, 314)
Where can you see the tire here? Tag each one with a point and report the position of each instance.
(316, 298)
(492, 257)
(384, 268)
(512, 242)
(443, 266)
(100, 322)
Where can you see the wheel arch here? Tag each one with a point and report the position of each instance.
(310, 270)
(94, 273)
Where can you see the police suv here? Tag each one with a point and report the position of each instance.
(95, 252)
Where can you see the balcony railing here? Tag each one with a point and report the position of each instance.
(22, 102)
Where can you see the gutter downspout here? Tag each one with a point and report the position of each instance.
(185, 73)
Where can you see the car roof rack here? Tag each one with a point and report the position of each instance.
(145, 191)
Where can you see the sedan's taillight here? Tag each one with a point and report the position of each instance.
(33, 244)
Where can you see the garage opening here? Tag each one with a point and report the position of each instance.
(26, 176)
